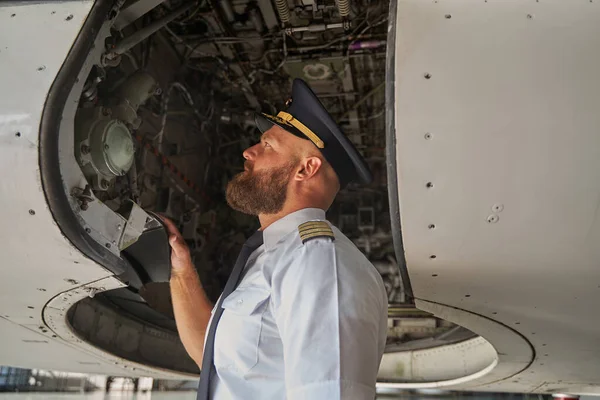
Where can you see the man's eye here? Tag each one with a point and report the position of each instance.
(267, 144)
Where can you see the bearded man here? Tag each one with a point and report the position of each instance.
(304, 313)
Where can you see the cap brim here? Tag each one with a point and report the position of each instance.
(265, 122)
(262, 123)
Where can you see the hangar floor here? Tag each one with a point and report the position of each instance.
(191, 396)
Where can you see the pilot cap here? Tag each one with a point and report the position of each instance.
(306, 118)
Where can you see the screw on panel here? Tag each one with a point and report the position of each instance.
(429, 185)
(69, 17)
(492, 219)
(107, 245)
(88, 230)
(41, 68)
(431, 226)
(498, 208)
(433, 256)
(18, 134)
(53, 12)
(83, 196)
(13, 15)
(42, 289)
(529, 16)
(448, 16)
(427, 76)
(31, 307)
(434, 275)
(72, 282)
(31, 212)
(428, 136)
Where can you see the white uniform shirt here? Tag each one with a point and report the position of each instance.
(307, 321)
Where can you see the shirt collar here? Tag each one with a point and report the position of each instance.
(274, 232)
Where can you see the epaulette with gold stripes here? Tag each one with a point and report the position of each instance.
(315, 229)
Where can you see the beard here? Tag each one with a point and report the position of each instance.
(262, 192)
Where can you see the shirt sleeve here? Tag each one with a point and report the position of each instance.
(328, 311)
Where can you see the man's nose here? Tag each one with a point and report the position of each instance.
(250, 152)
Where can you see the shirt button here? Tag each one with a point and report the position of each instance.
(240, 301)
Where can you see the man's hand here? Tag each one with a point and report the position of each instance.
(181, 261)
(190, 304)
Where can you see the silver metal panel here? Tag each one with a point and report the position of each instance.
(498, 158)
(102, 223)
(134, 226)
(38, 263)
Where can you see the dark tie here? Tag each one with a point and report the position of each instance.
(209, 347)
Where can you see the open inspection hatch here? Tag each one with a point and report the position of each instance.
(186, 133)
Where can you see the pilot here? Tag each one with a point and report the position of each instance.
(304, 313)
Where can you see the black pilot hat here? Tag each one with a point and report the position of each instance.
(306, 118)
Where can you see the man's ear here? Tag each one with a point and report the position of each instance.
(308, 168)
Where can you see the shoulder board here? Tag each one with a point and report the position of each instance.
(315, 229)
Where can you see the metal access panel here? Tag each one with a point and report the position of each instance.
(43, 275)
(497, 129)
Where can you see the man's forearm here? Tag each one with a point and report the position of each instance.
(192, 311)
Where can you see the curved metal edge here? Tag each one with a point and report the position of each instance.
(515, 352)
(440, 384)
(448, 365)
(56, 316)
(390, 149)
(51, 177)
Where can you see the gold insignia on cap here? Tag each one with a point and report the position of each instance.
(315, 229)
(289, 118)
(276, 119)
